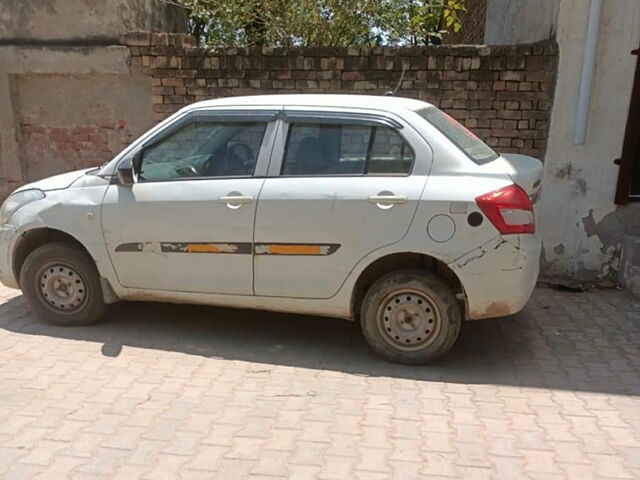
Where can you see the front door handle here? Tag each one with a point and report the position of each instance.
(236, 201)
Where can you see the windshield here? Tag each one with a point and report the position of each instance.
(462, 137)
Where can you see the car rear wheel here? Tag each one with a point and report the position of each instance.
(62, 286)
(410, 316)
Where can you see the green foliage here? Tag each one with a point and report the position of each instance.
(322, 22)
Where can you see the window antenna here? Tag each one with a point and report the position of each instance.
(391, 93)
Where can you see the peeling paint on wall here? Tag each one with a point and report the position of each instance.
(610, 231)
(612, 226)
(581, 227)
(573, 174)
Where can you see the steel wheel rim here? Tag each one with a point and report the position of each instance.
(62, 288)
(409, 320)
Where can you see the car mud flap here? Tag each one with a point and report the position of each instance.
(108, 294)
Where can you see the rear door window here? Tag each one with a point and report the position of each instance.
(317, 149)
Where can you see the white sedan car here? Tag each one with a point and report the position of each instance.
(382, 210)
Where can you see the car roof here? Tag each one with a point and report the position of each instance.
(378, 102)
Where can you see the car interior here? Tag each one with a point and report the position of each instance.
(227, 150)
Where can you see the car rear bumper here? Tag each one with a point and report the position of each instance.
(499, 276)
(7, 239)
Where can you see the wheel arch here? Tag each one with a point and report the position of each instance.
(397, 261)
(36, 237)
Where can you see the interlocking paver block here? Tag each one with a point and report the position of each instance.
(161, 391)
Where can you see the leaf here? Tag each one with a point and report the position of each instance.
(320, 22)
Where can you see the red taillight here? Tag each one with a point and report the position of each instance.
(509, 209)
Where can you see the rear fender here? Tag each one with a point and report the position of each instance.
(499, 276)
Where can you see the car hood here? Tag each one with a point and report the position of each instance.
(57, 182)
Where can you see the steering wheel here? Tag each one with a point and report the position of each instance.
(187, 171)
(208, 164)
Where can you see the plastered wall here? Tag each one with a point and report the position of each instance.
(66, 107)
(67, 96)
(581, 226)
(521, 21)
(84, 21)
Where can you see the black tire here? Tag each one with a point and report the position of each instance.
(74, 270)
(410, 316)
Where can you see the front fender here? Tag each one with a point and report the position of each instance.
(10, 237)
(74, 212)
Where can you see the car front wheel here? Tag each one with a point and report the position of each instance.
(410, 316)
(62, 286)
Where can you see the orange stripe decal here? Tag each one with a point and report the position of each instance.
(202, 248)
(277, 249)
(309, 249)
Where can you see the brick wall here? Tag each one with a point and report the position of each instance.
(473, 19)
(61, 122)
(504, 94)
(47, 150)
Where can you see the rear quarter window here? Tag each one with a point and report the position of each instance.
(461, 136)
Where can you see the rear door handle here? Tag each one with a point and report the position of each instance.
(237, 199)
(388, 199)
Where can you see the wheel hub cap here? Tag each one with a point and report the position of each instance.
(408, 320)
(62, 287)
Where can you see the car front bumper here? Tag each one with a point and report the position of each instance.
(8, 234)
(499, 276)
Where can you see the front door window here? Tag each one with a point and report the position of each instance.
(204, 149)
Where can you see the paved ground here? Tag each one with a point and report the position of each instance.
(157, 391)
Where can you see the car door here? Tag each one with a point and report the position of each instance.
(340, 186)
(186, 224)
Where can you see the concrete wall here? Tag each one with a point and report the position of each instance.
(84, 121)
(581, 226)
(33, 21)
(66, 107)
(521, 21)
(68, 98)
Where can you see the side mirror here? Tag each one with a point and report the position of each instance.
(125, 172)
